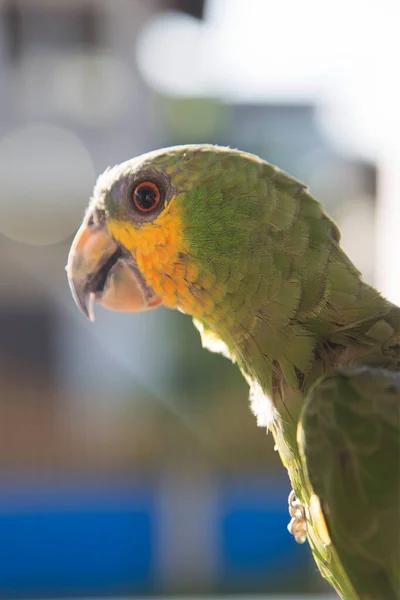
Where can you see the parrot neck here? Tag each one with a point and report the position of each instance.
(281, 358)
(286, 302)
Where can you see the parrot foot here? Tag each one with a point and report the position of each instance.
(297, 526)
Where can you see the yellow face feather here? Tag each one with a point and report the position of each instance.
(161, 252)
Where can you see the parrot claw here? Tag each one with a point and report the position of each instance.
(297, 526)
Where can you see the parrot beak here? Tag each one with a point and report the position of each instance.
(100, 270)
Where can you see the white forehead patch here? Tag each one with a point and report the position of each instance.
(111, 175)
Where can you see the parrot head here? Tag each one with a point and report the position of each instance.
(222, 236)
(177, 227)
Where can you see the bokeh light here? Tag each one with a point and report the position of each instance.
(45, 172)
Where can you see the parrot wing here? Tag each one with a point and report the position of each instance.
(349, 436)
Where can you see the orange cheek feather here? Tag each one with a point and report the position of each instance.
(157, 247)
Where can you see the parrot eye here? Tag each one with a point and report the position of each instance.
(146, 196)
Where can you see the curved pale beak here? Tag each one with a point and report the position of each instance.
(100, 270)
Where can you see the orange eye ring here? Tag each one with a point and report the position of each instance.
(146, 196)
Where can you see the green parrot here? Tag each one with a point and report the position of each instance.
(247, 251)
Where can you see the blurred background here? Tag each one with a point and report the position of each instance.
(130, 463)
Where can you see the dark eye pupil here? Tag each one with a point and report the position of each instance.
(145, 197)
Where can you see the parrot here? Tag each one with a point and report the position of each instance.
(248, 252)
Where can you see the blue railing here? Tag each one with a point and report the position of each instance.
(90, 537)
